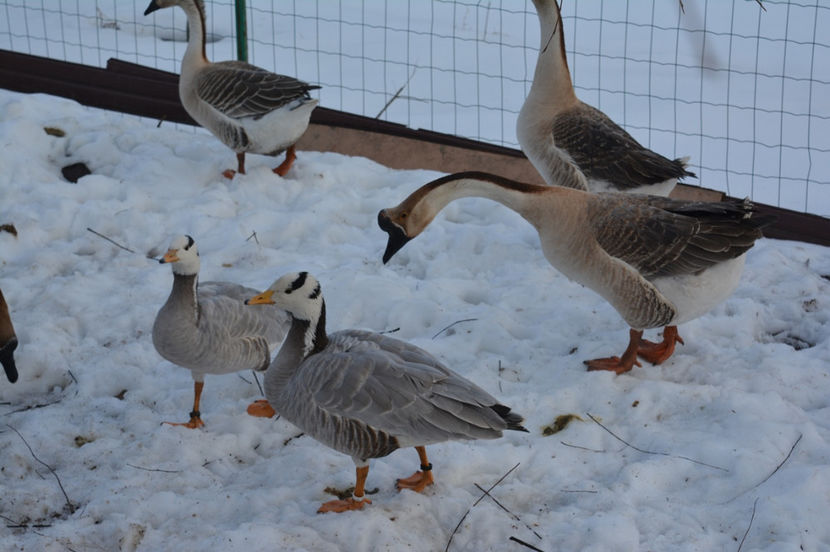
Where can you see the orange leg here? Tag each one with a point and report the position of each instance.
(656, 353)
(240, 166)
(617, 364)
(355, 503)
(261, 409)
(195, 415)
(290, 156)
(419, 480)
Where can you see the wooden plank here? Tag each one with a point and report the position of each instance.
(130, 88)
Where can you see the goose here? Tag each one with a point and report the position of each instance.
(206, 328)
(248, 108)
(657, 261)
(554, 125)
(8, 341)
(365, 394)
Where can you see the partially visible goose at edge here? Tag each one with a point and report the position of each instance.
(249, 109)
(365, 394)
(8, 341)
(554, 126)
(206, 327)
(657, 261)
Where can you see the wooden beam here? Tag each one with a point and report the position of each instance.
(138, 90)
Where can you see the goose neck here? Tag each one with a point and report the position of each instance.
(195, 54)
(183, 296)
(552, 76)
(305, 338)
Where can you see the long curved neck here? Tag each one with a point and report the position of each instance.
(552, 78)
(195, 54)
(433, 197)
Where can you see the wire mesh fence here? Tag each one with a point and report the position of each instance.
(744, 92)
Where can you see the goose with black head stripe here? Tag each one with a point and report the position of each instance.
(248, 108)
(206, 327)
(657, 261)
(365, 394)
(555, 126)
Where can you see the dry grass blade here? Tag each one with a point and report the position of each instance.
(523, 543)
(453, 324)
(493, 486)
(751, 519)
(70, 506)
(626, 443)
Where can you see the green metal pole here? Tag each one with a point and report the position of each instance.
(241, 31)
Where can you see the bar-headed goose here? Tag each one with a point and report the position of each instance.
(248, 108)
(554, 125)
(8, 341)
(206, 327)
(658, 261)
(365, 394)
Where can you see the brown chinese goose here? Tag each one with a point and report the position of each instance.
(658, 261)
(555, 126)
(367, 395)
(248, 108)
(206, 327)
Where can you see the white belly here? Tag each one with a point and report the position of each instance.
(694, 295)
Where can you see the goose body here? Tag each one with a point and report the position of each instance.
(657, 261)
(248, 108)
(8, 341)
(206, 328)
(555, 126)
(365, 394)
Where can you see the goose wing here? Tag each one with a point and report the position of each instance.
(238, 335)
(398, 389)
(659, 236)
(605, 151)
(238, 89)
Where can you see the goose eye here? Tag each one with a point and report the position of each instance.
(403, 215)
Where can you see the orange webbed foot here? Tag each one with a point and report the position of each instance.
(611, 364)
(290, 156)
(261, 409)
(417, 482)
(194, 423)
(338, 506)
(229, 173)
(657, 353)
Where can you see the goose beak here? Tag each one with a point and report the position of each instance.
(397, 237)
(152, 7)
(7, 359)
(170, 257)
(263, 298)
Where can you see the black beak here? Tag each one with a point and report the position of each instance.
(7, 359)
(152, 7)
(397, 237)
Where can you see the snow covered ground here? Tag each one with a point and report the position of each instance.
(728, 443)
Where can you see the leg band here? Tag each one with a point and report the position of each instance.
(426, 468)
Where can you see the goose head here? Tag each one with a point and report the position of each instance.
(297, 293)
(405, 221)
(159, 4)
(183, 256)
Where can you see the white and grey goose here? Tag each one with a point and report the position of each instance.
(206, 327)
(657, 261)
(554, 125)
(248, 108)
(365, 394)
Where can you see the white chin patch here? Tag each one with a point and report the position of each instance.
(186, 267)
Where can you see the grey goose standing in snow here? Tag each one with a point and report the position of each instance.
(657, 261)
(248, 108)
(206, 327)
(554, 126)
(365, 394)
(8, 341)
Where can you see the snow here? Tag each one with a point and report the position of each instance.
(731, 434)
